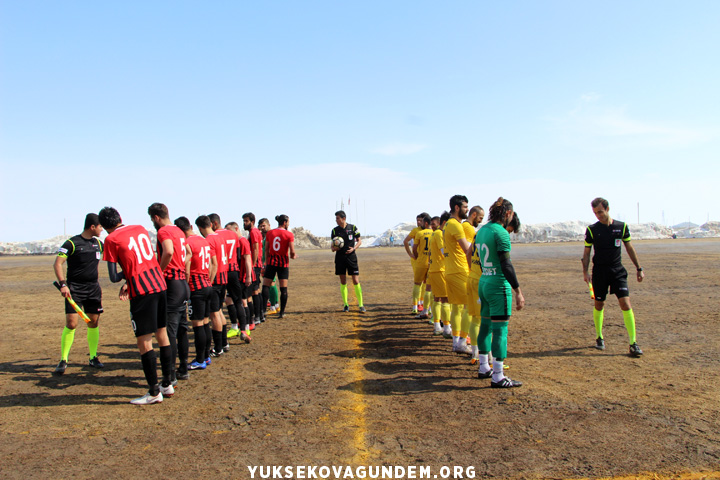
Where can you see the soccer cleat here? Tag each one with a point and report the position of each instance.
(208, 361)
(437, 330)
(226, 348)
(251, 326)
(600, 343)
(173, 382)
(485, 375)
(148, 399)
(505, 383)
(233, 332)
(346, 308)
(447, 331)
(245, 337)
(213, 353)
(420, 308)
(95, 362)
(362, 309)
(463, 350)
(282, 315)
(183, 376)
(635, 350)
(414, 311)
(422, 316)
(168, 391)
(197, 366)
(257, 320)
(60, 369)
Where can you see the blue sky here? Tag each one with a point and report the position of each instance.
(287, 107)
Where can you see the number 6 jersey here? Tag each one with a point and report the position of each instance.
(129, 245)
(277, 243)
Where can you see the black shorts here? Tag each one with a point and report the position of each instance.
(199, 304)
(234, 287)
(254, 286)
(217, 297)
(148, 313)
(88, 296)
(283, 273)
(178, 293)
(346, 264)
(613, 277)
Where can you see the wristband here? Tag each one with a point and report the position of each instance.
(63, 283)
(640, 269)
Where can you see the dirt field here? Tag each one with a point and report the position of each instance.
(325, 388)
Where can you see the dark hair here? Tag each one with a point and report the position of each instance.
(109, 217)
(264, 220)
(499, 209)
(435, 219)
(600, 201)
(249, 216)
(282, 219)
(426, 219)
(340, 214)
(183, 224)
(91, 219)
(158, 209)
(203, 221)
(444, 217)
(476, 209)
(515, 223)
(214, 218)
(422, 215)
(457, 200)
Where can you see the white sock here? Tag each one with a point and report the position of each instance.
(462, 343)
(474, 351)
(483, 366)
(497, 371)
(455, 341)
(234, 326)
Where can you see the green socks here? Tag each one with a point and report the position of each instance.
(66, 341)
(358, 294)
(598, 319)
(343, 293)
(273, 295)
(629, 318)
(484, 336)
(93, 338)
(499, 340)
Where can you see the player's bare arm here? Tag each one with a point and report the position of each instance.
(633, 256)
(465, 245)
(293, 255)
(168, 250)
(213, 269)
(60, 275)
(406, 243)
(248, 269)
(414, 251)
(352, 249)
(586, 264)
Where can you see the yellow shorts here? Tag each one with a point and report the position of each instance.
(457, 288)
(420, 271)
(437, 283)
(473, 307)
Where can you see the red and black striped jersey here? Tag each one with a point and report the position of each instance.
(176, 268)
(256, 238)
(278, 242)
(217, 243)
(129, 245)
(244, 249)
(202, 254)
(231, 240)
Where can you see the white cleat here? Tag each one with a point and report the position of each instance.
(168, 391)
(148, 399)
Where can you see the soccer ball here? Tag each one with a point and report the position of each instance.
(338, 242)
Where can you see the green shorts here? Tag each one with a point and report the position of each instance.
(495, 299)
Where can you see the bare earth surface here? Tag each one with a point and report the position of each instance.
(325, 388)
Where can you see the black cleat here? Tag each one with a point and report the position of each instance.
(600, 343)
(635, 350)
(95, 362)
(485, 375)
(60, 369)
(346, 308)
(182, 376)
(226, 348)
(506, 383)
(214, 353)
(362, 310)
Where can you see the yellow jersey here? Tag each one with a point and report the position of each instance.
(422, 240)
(437, 255)
(469, 232)
(455, 259)
(475, 266)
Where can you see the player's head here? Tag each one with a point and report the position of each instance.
(92, 224)
(232, 226)
(501, 211)
(513, 225)
(600, 208)
(458, 206)
(215, 220)
(282, 220)
(476, 215)
(248, 220)
(158, 212)
(444, 217)
(340, 218)
(264, 225)
(420, 219)
(434, 223)
(425, 221)
(109, 219)
(204, 224)
(183, 224)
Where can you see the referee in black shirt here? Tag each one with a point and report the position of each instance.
(346, 262)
